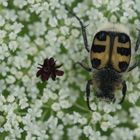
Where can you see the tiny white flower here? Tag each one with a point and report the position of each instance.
(83, 121)
(113, 18)
(63, 93)
(20, 3)
(53, 22)
(10, 15)
(12, 36)
(2, 34)
(10, 98)
(2, 119)
(3, 87)
(1, 130)
(68, 21)
(45, 98)
(60, 114)
(122, 133)
(138, 85)
(23, 15)
(51, 37)
(123, 115)
(13, 45)
(74, 133)
(124, 20)
(55, 106)
(2, 21)
(93, 106)
(105, 126)
(107, 108)
(53, 96)
(10, 79)
(67, 119)
(75, 32)
(130, 86)
(113, 6)
(23, 103)
(99, 3)
(4, 3)
(64, 104)
(54, 4)
(25, 79)
(87, 130)
(135, 112)
(39, 41)
(137, 132)
(96, 117)
(31, 1)
(64, 30)
(135, 75)
(38, 28)
(133, 97)
(16, 27)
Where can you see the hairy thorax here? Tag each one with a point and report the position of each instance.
(106, 81)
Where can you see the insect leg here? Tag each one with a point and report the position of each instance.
(88, 93)
(133, 66)
(138, 41)
(136, 48)
(83, 28)
(83, 66)
(123, 91)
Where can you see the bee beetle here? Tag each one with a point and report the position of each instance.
(110, 56)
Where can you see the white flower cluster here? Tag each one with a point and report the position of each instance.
(32, 30)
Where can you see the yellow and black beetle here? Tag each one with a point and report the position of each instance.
(110, 56)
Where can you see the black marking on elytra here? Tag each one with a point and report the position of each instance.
(123, 51)
(98, 48)
(101, 36)
(95, 62)
(123, 65)
(123, 38)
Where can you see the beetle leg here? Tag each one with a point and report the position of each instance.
(123, 91)
(134, 66)
(88, 93)
(136, 48)
(138, 41)
(83, 66)
(83, 28)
